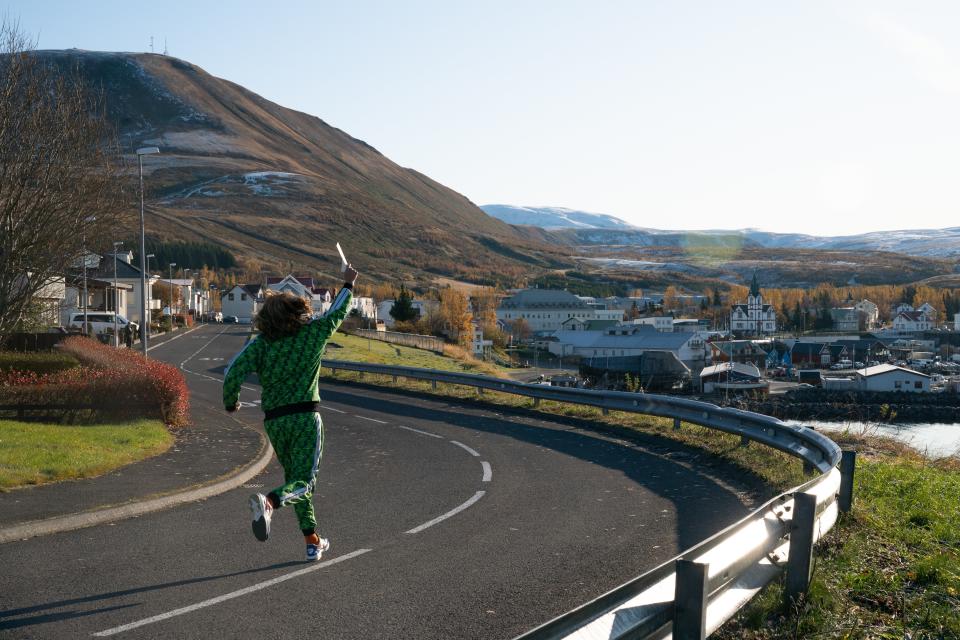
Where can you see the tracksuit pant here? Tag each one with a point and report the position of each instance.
(297, 440)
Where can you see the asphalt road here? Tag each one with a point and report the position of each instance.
(446, 521)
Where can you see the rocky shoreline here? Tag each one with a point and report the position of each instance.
(815, 404)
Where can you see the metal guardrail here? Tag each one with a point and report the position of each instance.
(693, 594)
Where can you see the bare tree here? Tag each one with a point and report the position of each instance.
(61, 179)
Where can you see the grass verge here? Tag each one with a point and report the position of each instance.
(347, 347)
(37, 453)
(890, 569)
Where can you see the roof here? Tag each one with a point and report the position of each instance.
(105, 269)
(638, 340)
(543, 299)
(734, 367)
(882, 369)
(745, 307)
(912, 316)
(807, 348)
(592, 324)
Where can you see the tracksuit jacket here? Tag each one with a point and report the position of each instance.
(288, 369)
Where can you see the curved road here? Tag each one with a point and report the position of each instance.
(446, 521)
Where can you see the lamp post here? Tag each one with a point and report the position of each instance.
(116, 295)
(186, 276)
(84, 258)
(145, 329)
(170, 284)
(144, 322)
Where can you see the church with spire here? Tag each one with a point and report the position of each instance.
(753, 318)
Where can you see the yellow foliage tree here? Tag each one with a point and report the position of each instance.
(455, 312)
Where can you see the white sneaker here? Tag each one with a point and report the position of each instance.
(314, 551)
(261, 511)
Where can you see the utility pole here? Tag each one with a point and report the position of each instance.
(116, 296)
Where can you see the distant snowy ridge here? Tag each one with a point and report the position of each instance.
(602, 229)
(554, 217)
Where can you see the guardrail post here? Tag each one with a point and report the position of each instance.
(605, 411)
(800, 562)
(676, 424)
(744, 441)
(433, 383)
(690, 601)
(848, 463)
(479, 391)
(536, 402)
(394, 379)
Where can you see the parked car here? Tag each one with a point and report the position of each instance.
(858, 365)
(231, 320)
(101, 321)
(836, 367)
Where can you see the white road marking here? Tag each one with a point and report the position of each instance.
(326, 408)
(449, 514)
(466, 448)
(229, 596)
(174, 337)
(370, 419)
(423, 433)
(487, 471)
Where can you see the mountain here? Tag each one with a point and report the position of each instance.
(554, 217)
(279, 187)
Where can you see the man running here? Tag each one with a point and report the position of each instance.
(286, 357)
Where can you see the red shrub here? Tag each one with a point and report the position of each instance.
(116, 383)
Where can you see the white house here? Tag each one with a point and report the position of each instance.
(930, 311)
(912, 321)
(888, 377)
(903, 306)
(365, 306)
(243, 301)
(126, 274)
(755, 317)
(480, 346)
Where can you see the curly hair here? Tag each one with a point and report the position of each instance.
(282, 315)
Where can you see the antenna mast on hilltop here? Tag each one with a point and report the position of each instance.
(164, 45)
(151, 44)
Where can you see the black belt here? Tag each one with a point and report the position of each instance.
(289, 409)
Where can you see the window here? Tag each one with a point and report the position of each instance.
(230, 297)
(896, 384)
(243, 296)
(918, 385)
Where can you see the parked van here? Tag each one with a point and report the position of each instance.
(100, 321)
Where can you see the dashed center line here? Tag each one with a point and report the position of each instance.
(423, 433)
(328, 408)
(229, 596)
(370, 419)
(449, 514)
(466, 448)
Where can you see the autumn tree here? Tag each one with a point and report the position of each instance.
(62, 182)
(456, 315)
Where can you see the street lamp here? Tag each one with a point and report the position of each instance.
(86, 324)
(186, 276)
(116, 295)
(149, 310)
(170, 284)
(144, 323)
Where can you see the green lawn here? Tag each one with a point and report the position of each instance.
(365, 350)
(36, 453)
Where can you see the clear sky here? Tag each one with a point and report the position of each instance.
(825, 117)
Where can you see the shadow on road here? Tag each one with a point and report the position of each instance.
(7, 623)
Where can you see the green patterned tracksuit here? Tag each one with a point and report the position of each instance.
(288, 369)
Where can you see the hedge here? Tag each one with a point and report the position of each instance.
(110, 383)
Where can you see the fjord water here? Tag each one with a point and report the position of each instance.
(935, 439)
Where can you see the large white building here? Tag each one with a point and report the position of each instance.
(545, 310)
(912, 321)
(755, 317)
(243, 301)
(871, 313)
(629, 340)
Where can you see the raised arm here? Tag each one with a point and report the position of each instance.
(324, 326)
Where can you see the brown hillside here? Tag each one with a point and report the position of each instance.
(281, 186)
